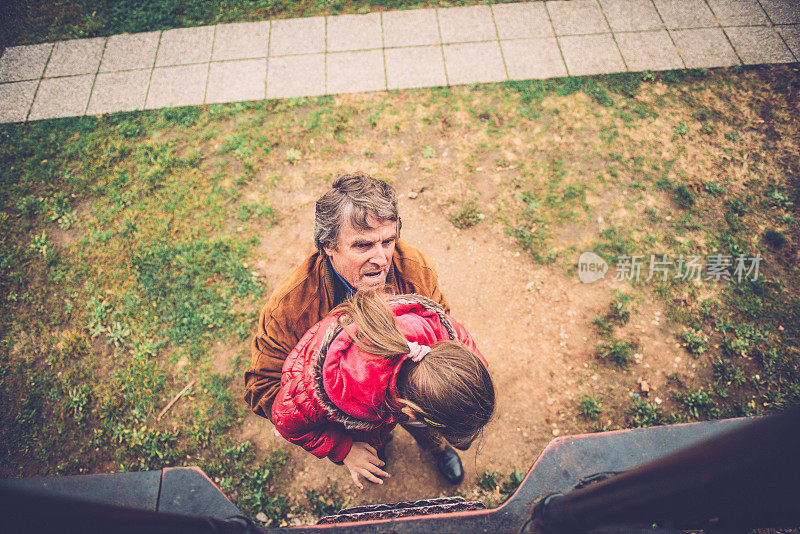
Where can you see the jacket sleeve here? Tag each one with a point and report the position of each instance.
(308, 430)
(269, 349)
(297, 415)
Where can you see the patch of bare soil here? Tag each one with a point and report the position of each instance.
(532, 323)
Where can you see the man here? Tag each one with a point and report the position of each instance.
(356, 231)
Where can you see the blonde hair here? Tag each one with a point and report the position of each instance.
(450, 388)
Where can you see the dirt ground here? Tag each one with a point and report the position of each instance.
(533, 324)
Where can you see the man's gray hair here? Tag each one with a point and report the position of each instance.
(357, 196)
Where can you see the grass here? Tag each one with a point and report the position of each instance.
(39, 21)
(131, 250)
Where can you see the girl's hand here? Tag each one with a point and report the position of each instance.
(363, 460)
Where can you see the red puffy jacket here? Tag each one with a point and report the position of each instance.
(332, 393)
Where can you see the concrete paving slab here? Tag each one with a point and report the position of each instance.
(416, 66)
(352, 72)
(522, 20)
(533, 58)
(293, 76)
(577, 17)
(591, 54)
(62, 97)
(234, 81)
(415, 27)
(759, 44)
(791, 36)
(704, 48)
(782, 11)
(680, 14)
(24, 62)
(474, 63)
(297, 36)
(245, 40)
(119, 91)
(182, 85)
(354, 32)
(184, 46)
(466, 24)
(738, 12)
(76, 56)
(631, 15)
(648, 50)
(130, 51)
(16, 99)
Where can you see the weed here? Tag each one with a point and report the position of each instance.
(604, 326)
(511, 483)
(327, 502)
(618, 314)
(258, 490)
(695, 341)
(698, 405)
(488, 480)
(684, 196)
(726, 371)
(681, 128)
(293, 156)
(468, 216)
(618, 351)
(79, 401)
(590, 407)
(30, 206)
(643, 414)
(774, 239)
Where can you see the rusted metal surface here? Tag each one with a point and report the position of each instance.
(375, 512)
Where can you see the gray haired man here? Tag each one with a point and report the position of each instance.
(356, 230)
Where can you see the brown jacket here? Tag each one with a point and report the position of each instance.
(305, 297)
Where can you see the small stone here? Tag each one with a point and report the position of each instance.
(479, 169)
(413, 194)
(644, 387)
(658, 400)
(530, 286)
(261, 516)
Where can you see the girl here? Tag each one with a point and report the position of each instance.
(368, 366)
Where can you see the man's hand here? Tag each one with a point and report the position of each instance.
(363, 460)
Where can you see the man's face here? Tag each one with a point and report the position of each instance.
(363, 256)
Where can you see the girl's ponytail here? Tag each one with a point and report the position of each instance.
(377, 331)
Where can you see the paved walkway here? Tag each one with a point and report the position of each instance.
(390, 50)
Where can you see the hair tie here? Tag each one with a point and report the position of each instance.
(417, 351)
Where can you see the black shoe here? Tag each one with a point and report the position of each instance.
(449, 465)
